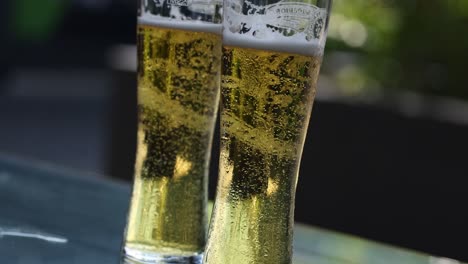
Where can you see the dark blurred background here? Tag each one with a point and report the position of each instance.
(386, 156)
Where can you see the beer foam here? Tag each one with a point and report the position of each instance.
(191, 25)
(264, 27)
(293, 44)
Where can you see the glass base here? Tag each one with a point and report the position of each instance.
(134, 256)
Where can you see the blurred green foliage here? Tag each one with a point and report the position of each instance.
(416, 45)
(36, 20)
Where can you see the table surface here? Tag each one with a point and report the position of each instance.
(55, 215)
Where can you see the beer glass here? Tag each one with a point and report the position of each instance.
(179, 56)
(272, 52)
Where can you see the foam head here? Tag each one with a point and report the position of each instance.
(289, 44)
(190, 25)
(288, 26)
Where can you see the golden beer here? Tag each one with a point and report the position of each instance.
(178, 90)
(266, 101)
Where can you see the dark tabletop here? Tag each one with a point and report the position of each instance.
(55, 215)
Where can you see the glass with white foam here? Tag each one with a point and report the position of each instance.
(179, 56)
(272, 52)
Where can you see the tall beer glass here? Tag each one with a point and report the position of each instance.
(272, 52)
(179, 54)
